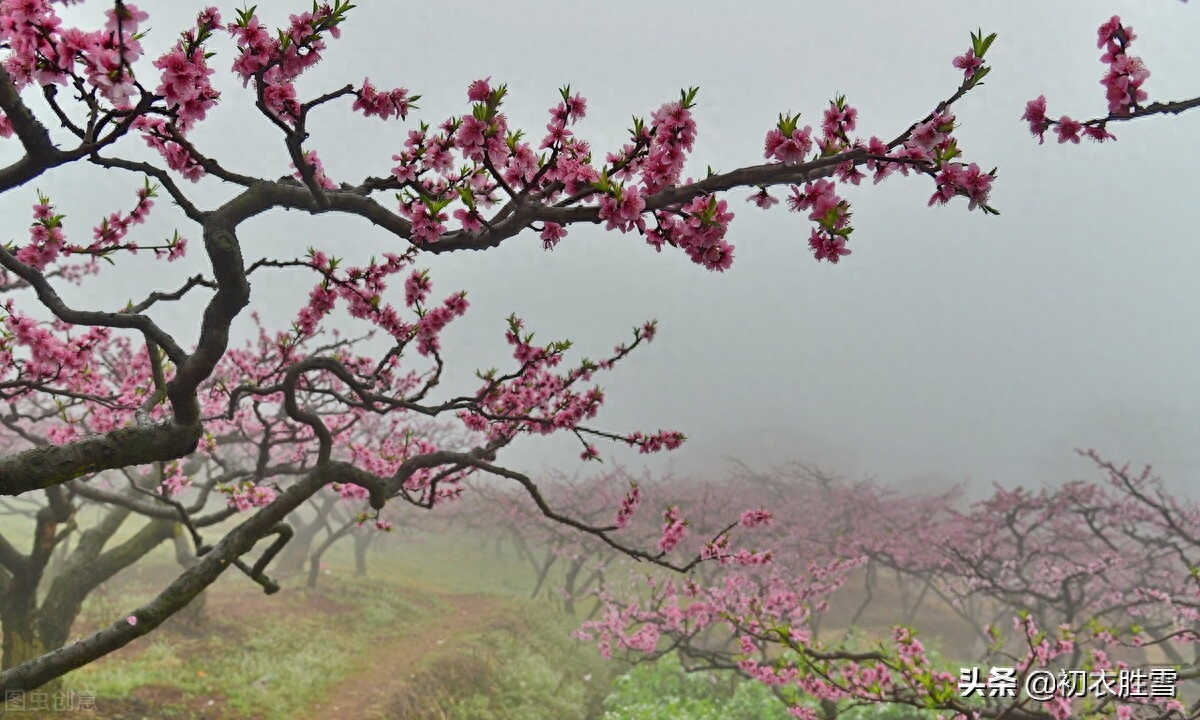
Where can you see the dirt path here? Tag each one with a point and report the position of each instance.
(384, 669)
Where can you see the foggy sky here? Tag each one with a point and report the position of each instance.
(948, 343)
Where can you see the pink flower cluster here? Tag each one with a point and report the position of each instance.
(393, 103)
(43, 52)
(109, 236)
(1123, 79)
(830, 212)
(175, 481)
(957, 179)
(500, 160)
(185, 85)
(163, 137)
(1067, 129)
(787, 143)
(1125, 75)
(700, 233)
(755, 518)
(247, 495)
(672, 137)
(362, 289)
(46, 238)
(656, 442)
(36, 352)
(838, 121)
(275, 61)
(629, 505)
(674, 529)
(622, 209)
(720, 550)
(537, 400)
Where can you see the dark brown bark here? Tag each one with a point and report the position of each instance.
(193, 617)
(44, 467)
(41, 670)
(88, 568)
(29, 629)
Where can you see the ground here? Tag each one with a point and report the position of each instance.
(443, 628)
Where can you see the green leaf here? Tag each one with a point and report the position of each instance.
(979, 75)
(987, 43)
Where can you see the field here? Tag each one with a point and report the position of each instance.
(442, 628)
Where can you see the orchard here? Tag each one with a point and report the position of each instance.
(204, 409)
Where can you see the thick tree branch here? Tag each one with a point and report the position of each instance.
(42, 467)
(92, 318)
(179, 593)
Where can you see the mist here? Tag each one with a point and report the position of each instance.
(949, 345)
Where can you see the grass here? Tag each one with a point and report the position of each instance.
(522, 667)
(442, 630)
(259, 657)
(459, 605)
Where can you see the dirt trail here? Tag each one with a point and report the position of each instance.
(383, 669)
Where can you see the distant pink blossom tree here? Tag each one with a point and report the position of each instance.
(1081, 578)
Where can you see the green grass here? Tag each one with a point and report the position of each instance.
(399, 636)
(523, 667)
(280, 656)
(270, 664)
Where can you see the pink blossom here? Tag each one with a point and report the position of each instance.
(370, 102)
(755, 518)
(480, 90)
(827, 247)
(763, 199)
(673, 531)
(1068, 130)
(789, 150)
(552, 233)
(968, 62)
(629, 504)
(1035, 115)
(623, 211)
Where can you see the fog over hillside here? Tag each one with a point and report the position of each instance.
(948, 344)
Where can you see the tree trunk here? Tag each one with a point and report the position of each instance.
(569, 586)
(87, 568)
(192, 618)
(362, 543)
(18, 606)
(314, 568)
(293, 556)
(19, 624)
(18, 621)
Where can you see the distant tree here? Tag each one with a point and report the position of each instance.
(1087, 576)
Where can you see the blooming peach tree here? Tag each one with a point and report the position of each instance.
(470, 182)
(1082, 584)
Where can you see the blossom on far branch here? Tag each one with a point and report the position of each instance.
(1123, 79)
(505, 182)
(927, 147)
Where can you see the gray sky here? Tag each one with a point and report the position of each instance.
(949, 342)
